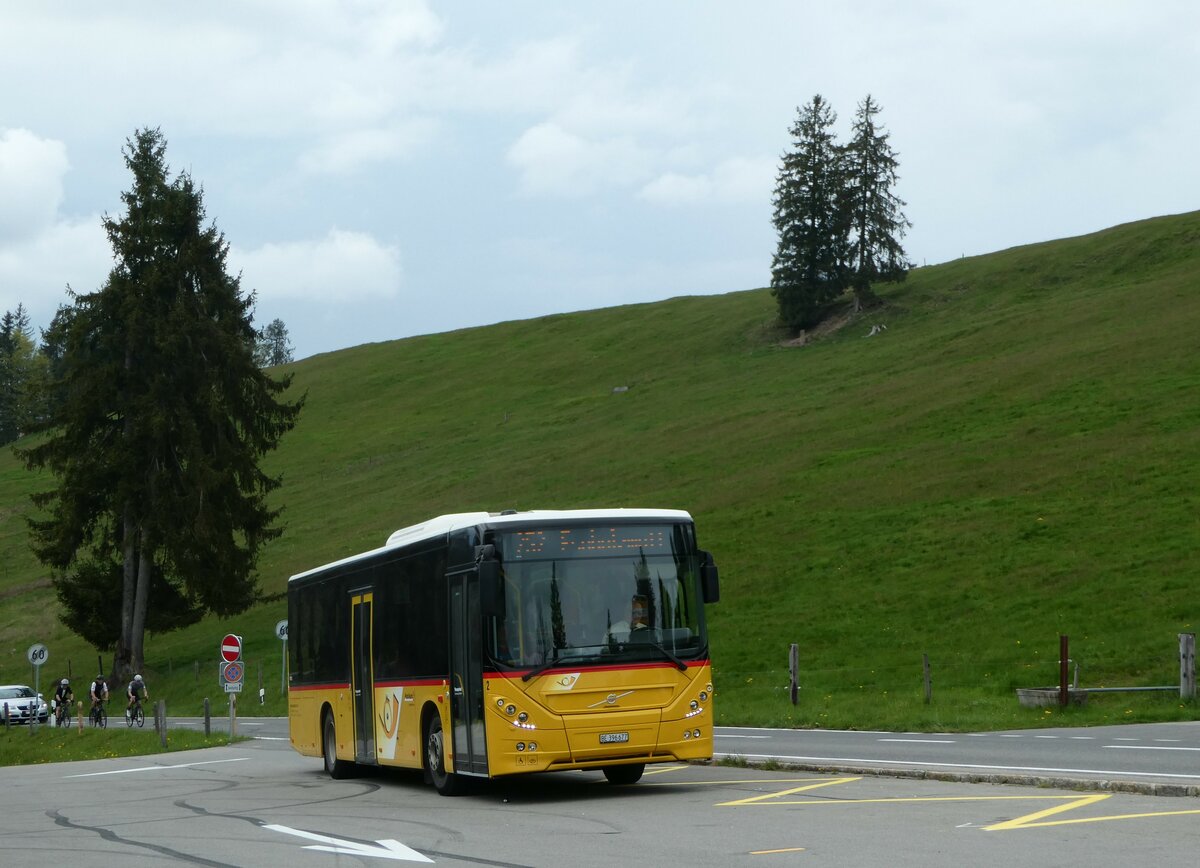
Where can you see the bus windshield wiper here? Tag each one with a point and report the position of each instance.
(539, 669)
(678, 663)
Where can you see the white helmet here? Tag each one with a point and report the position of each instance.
(137, 678)
(65, 682)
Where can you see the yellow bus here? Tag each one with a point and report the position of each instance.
(478, 645)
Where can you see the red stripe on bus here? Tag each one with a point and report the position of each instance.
(518, 673)
(413, 682)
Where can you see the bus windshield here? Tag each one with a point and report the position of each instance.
(598, 595)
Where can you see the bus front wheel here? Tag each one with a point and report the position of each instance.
(446, 783)
(334, 767)
(624, 774)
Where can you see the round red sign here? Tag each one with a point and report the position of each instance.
(231, 648)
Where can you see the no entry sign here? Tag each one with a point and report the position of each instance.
(231, 648)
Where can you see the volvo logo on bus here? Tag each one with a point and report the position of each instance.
(611, 699)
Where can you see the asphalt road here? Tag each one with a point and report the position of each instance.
(1153, 758)
(258, 803)
(1158, 758)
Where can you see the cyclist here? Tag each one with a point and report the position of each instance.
(136, 691)
(99, 693)
(63, 697)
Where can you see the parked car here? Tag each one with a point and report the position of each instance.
(23, 704)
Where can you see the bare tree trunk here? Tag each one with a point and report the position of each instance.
(864, 298)
(141, 597)
(122, 662)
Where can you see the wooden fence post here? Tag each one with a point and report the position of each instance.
(928, 680)
(794, 671)
(1187, 665)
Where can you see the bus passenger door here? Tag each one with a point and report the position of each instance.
(466, 674)
(362, 679)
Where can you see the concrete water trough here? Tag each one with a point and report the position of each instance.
(1035, 697)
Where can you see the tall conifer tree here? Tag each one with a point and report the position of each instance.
(876, 220)
(164, 416)
(808, 269)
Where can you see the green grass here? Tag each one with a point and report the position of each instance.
(21, 746)
(1014, 458)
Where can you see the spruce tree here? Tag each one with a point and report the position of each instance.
(20, 367)
(876, 220)
(273, 346)
(163, 418)
(808, 269)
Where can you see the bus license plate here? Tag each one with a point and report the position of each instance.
(614, 737)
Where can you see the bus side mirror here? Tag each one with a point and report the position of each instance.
(709, 584)
(491, 583)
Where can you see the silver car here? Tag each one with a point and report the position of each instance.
(21, 704)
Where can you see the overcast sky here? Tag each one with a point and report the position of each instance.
(384, 169)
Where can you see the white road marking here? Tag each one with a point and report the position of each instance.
(921, 740)
(158, 768)
(386, 849)
(825, 760)
(719, 735)
(1145, 747)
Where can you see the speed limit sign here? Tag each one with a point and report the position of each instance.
(38, 654)
(281, 630)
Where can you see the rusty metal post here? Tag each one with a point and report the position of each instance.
(794, 671)
(1187, 665)
(1064, 695)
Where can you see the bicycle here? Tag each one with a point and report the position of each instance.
(135, 714)
(99, 716)
(62, 714)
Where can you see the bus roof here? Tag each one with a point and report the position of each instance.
(445, 524)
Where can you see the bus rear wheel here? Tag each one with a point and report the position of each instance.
(334, 767)
(446, 783)
(630, 774)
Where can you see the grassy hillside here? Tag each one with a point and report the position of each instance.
(1013, 458)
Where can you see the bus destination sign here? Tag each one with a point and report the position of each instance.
(598, 541)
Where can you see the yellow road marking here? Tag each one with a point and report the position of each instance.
(814, 786)
(1035, 820)
(1030, 820)
(660, 770)
(729, 783)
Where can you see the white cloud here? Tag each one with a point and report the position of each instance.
(358, 149)
(36, 271)
(342, 266)
(31, 184)
(734, 180)
(555, 161)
